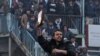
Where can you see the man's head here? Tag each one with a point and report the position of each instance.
(72, 38)
(57, 35)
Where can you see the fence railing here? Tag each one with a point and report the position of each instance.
(93, 20)
(25, 37)
(10, 23)
(3, 24)
(71, 21)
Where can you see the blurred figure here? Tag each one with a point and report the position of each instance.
(24, 21)
(32, 26)
(66, 32)
(72, 8)
(61, 7)
(41, 7)
(51, 7)
(50, 29)
(33, 22)
(90, 9)
(45, 4)
(58, 24)
(97, 7)
(29, 14)
(24, 25)
(72, 46)
(83, 51)
(26, 4)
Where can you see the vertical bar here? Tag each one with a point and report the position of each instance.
(9, 21)
(10, 3)
(83, 24)
(9, 47)
(0, 24)
(35, 49)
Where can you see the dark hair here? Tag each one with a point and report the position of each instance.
(72, 36)
(56, 31)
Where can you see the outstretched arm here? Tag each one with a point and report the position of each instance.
(43, 42)
(56, 51)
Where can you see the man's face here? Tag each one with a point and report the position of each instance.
(73, 39)
(58, 35)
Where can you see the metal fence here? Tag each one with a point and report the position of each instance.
(93, 20)
(3, 24)
(26, 38)
(10, 23)
(71, 21)
(74, 21)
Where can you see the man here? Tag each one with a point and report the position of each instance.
(72, 8)
(72, 46)
(56, 46)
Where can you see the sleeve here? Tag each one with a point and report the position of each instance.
(44, 44)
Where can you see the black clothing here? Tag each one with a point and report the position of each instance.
(51, 8)
(49, 46)
(72, 10)
(72, 50)
(60, 9)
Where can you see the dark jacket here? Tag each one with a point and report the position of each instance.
(51, 8)
(72, 50)
(72, 10)
(48, 46)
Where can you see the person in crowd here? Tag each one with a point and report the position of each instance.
(32, 26)
(32, 22)
(83, 51)
(19, 10)
(97, 9)
(58, 24)
(41, 7)
(50, 28)
(45, 4)
(51, 7)
(72, 46)
(66, 32)
(45, 24)
(72, 8)
(90, 9)
(32, 8)
(20, 4)
(24, 24)
(61, 7)
(26, 3)
(28, 12)
(24, 21)
(56, 46)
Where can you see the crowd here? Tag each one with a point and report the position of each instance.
(92, 8)
(65, 7)
(92, 11)
(26, 12)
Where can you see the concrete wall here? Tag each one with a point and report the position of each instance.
(4, 48)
